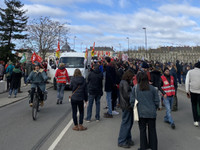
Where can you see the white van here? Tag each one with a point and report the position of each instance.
(72, 60)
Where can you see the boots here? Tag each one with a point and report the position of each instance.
(82, 128)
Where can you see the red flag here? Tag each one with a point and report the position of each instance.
(33, 57)
(58, 50)
(106, 53)
(86, 53)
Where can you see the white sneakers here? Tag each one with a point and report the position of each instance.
(115, 113)
(196, 124)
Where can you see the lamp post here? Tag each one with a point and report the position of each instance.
(81, 46)
(145, 34)
(120, 47)
(74, 42)
(59, 32)
(128, 44)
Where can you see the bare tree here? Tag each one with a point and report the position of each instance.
(44, 33)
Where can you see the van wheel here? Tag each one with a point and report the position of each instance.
(54, 85)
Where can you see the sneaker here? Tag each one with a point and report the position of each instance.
(57, 102)
(42, 103)
(97, 120)
(124, 146)
(196, 124)
(9, 96)
(60, 102)
(88, 121)
(75, 128)
(82, 128)
(106, 115)
(173, 126)
(15, 96)
(115, 112)
(31, 104)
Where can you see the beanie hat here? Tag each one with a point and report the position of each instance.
(197, 65)
(145, 65)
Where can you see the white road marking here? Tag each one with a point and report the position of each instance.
(57, 140)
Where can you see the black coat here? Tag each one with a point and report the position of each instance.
(155, 78)
(110, 80)
(15, 78)
(124, 90)
(81, 93)
(95, 84)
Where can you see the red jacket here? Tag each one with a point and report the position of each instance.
(168, 87)
(62, 76)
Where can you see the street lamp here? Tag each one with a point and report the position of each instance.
(81, 46)
(128, 44)
(120, 47)
(145, 34)
(74, 42)
(59, 32)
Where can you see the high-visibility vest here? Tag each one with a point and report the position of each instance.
(62, 78)
(168, 87)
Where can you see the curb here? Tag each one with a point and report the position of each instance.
(19, 99)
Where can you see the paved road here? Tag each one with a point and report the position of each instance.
(20, 132)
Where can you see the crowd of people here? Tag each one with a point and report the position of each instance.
(153, 84)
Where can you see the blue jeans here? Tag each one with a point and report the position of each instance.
(168, 105)
(183, 78)
(91, 99)
(109, 102)
(125, 129)
(15, 91)
(60, 91)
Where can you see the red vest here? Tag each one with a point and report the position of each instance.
(168, 87)
(61, 76)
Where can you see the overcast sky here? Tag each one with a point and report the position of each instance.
(110, 22)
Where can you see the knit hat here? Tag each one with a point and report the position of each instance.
(197, 65)
(166, 68)
(145, 65)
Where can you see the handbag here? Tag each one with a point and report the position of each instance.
(73, 93)
(135, 110)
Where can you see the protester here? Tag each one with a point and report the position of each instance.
(148, 102)
(173, 72)
(95, 89)
(9, 71)
(179, 70)
(192, 86)
(167, 85)
(125, 138)
(79, 95)
(109, 84)
(1, 70)
(38, 78)
(61, 78)
(15, 80)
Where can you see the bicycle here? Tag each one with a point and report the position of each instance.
(36, 102)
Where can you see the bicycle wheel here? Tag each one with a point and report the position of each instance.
(35, 107)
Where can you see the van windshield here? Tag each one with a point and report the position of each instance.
(72, 62)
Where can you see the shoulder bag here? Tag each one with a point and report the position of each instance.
(135, 110)
(73, 93)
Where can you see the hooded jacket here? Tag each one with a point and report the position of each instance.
(81, 93)
(62, 75)
(95, 85)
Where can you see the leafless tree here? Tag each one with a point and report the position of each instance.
(44, 33)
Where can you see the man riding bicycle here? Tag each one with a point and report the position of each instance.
(37, 78)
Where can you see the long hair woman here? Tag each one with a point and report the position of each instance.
(125, 138)
(148, 102)
(79, 95)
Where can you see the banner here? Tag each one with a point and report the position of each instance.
(124, 57)
(35, 57)
(92, 52)
(23, 59)
(58, 50)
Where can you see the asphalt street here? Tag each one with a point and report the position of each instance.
(20, 132)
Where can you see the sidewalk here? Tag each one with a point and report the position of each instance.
(4, 100)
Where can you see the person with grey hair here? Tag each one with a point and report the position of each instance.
(62, 78)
